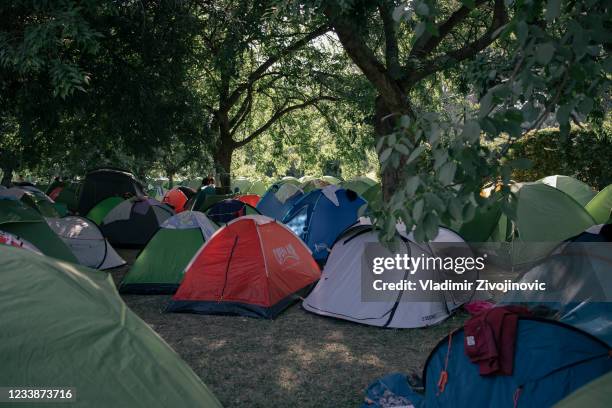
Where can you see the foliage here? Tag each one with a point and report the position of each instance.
(583, 154)
(524, 60)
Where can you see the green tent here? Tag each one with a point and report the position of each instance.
(544, 216)
(23, 221)
(69, 196)
(204, 200)
(305, 179)
(70, 328)
(290, 180)
(596, 394)
(579, 191)
(331, 180)
(160, 265)
(313, 184)
(100, 210)
(358, 184)
(599, 207)
(33, 198)
(243, 185)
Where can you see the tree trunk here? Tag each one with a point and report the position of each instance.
(170, 180)
(223, 162)
(7, 175)
(386, 120)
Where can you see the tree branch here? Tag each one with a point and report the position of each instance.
(260, 71)
(391, 48)
(465, 52)
(279, 114)
(356, 48)
(427, 43)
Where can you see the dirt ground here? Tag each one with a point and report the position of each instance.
(298, 360)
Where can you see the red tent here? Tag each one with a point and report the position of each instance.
(254, 266)
(250, 199)
(177, 197)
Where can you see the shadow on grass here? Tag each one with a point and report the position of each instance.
(298, 360)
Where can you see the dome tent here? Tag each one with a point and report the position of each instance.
(596, 394)
(24, 222)
(278, 200)
(159, 267)
(331, 180)
(358, 184)
(579, 191)
(578, 283)
(543, 214)
(600, 206)
(254, 266)
(250, 199)
(224, 211)
(107, 182)
(178, 197)
(86, 242)
(289, 180)
(551, 360)
(32, 197)
(69, 327)
(133, 222)
(339, 291)
(243, 185)
(99, 211)
(320, 216)
(14, 241)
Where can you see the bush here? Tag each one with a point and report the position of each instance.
(585, 154)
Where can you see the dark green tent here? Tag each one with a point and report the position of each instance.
(66, 326)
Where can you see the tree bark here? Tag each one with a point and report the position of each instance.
(223, 160)
(386, 120)
(7, 175)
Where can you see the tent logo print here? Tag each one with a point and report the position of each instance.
(283, 254)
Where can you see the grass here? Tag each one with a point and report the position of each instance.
(298, 360)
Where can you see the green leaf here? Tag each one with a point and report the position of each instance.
(447, 173)
(545, 52)
(430, 226)
(402, 148)
(417, 210)
(422, 9)
(585, 106)
(553, 9)
(415, 154)
(412, 185)
(384, 156)
(419, 29)
(522, 163)
(471, 130)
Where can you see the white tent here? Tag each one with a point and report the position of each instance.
(339, 291)
(86, 242)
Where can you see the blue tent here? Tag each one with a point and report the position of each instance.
(551, 360)
(279, 199)
(321, 216)
(227, 210)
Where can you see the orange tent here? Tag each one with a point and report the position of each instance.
(177, 198)
(254, 266)
(250, 199)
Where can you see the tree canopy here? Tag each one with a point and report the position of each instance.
(431, 95)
